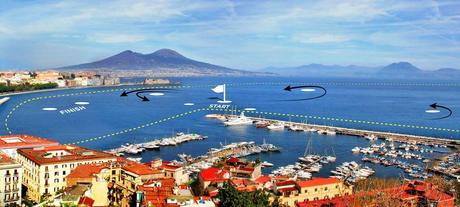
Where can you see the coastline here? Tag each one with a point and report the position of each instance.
(59, 89)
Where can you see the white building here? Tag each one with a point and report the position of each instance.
(46, 168)
(10, 181)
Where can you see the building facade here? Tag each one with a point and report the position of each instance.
(292, 192)
(10, 181)
(46, 168)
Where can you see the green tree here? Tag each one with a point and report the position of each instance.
(230, 197)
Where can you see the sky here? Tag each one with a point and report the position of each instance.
(37, 34)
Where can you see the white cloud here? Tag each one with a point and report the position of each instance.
(116, 38)
(319, 39)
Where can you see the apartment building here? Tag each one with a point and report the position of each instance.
(46, 168)
(292, 192)
(125, 178)
(10, 181)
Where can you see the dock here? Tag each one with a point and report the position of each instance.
(397, 137)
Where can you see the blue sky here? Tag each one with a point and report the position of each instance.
(237, 34)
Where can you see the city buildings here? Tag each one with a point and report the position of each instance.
(10, 181)
(93, 180)
(62, 79)
(9, 144)
(411, 194)
(46, 168)
(171, 170)
(291, 192)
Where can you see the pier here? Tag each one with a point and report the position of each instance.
(398, 137)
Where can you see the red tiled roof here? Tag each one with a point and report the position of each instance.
(170, 165)
(5, 159)
(212, 174)
(402, 192)
(73, 153)
(86, 201)
(317, 182)
(286, 182)
(86, 171)
(137, 168)
(233, 160)
(157, 195)
(263, 179)
(24, 141)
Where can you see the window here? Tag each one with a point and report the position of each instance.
(56, 173)
(305, 191)
(316, 189)
(63, 172)
(325, 189)
(56, 167)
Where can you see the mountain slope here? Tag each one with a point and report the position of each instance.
(394, 70)
(400, 69)
(162, 61)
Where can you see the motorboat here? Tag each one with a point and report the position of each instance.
(240, 120)
(275, 127)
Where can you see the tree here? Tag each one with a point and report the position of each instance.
(230, 197)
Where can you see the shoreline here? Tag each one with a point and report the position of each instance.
(59, 89)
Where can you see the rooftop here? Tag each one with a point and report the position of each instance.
(6, 160)
(137, 168)
(411, 191)
(87, 170)
(156, 191)
(62, 154)
(317, 182)
(24, 141)
(213, 174)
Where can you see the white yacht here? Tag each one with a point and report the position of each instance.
(275, 127)
(240, 120)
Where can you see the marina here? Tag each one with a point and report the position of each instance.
(134, 149)
(412, 154)
(274, 124)
(240, 149)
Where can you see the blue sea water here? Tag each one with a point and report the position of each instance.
(389, 101)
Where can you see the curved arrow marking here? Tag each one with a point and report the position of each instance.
(289, 88)
(435, 106)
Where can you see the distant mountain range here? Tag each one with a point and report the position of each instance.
(169, 63)
(164, 62)
(394, 70)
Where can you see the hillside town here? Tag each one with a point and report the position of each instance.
(56, 78)
(40, 171)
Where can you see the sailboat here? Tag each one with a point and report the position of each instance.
(308, 156)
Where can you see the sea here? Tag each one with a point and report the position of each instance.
(99, 118)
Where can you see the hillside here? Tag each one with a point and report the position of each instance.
(164, 62)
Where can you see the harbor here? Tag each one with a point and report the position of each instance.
(273, 124)
(414, 155)
(137, 148)
(237, 150)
